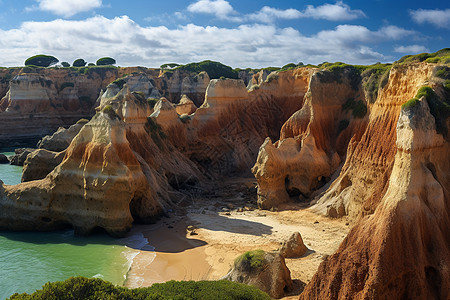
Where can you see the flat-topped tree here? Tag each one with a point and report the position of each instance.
(106, 61)
(79, 62)
(41, 60)
(65, 64)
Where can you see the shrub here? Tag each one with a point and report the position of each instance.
(214, 69)
(442, 72)
(250, 260)
(358, 108)
(65, 64)
(119, 82)
(79, 62)
(91, 64)
(94, 288)
(41, 60)
(106, 61)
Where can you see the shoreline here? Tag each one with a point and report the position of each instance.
(221, 236)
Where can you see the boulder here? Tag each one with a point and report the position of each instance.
(293, 247)
(20, 156)
(3, 159)
(40, 163)
(264, 270)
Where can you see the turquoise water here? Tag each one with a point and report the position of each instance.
(10, 174)
(30, 259)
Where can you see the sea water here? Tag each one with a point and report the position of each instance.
(30, 259)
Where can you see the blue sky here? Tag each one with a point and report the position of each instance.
(238, 33)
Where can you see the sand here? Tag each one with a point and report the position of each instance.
(221, 236)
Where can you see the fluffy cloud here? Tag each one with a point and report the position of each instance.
(67, 8)
(254, 45)
(437, 17)
(333, 12)
(412, 49)
(222, 9)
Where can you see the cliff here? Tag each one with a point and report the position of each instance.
(112, 173)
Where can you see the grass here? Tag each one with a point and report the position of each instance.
(251, 260)
(77, 288)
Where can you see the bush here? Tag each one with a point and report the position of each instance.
(250, 260)
(119, 82)
(106, 61)
(78, 288)
(214, 69)
(152, 102)
(91, 64)
(358, 108)
(41, 60)
(65, 64)
(79, 62)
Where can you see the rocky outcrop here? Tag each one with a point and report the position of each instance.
(312, 144)
(402, 250)
(264, 270)
(186, 106)
(20, 156)
(293, 247)
(39, 163)
(176, 83)
(62, 138)
(113, 173)
(3, 159)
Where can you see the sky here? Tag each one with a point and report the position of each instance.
(237, 33)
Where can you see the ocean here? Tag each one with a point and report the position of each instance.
(30, 259)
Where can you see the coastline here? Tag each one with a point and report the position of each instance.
(220, 237)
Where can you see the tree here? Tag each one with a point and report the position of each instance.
(41, 60)
(91, 64)
(106, 61)
(79, 63)
(65, 64)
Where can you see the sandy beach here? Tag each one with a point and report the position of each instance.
(224, 231)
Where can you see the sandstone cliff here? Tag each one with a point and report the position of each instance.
(402, 250)
(113, 173)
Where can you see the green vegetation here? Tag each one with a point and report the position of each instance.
(214, 69)
(375, 77)
(79, 62)
(170, 65)
(442, 56)
(250, 260)
(91, 64)
(109, 110)
(78, 288)
(64, 85)
(106, 61)
(41, 60)
(65, 64)
(442, 72)
(358, 108)
(119, 82)
(439, 109)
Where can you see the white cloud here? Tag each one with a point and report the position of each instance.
(412, 49)
(131, 44)
(220, 8)
(333, 12)
(66, 8)
(437, 17)
(269, 14)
